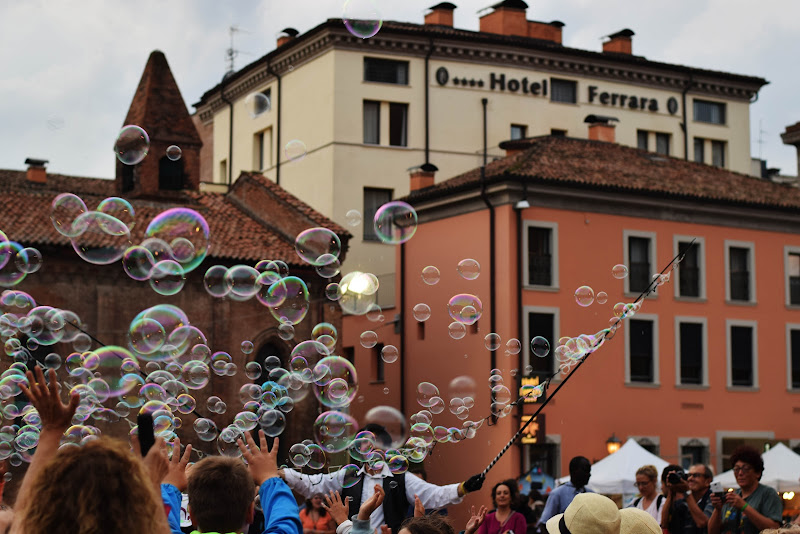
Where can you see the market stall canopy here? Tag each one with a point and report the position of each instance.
(781, 470)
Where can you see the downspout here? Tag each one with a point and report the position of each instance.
(685, 126)
(402, 325)
(230, 135)
(520, 319)
(277, 126)
(427, 101)
(485, 197)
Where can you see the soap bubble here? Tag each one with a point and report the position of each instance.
(332, 291)
(492, 342)
(422, 312)
(619, 271)
(392, 420)
(430, 275)
(184, 223)
(295, 150)
(353, 218)
(465, 308)
(174, 152)
(343, 386)
(256, 104)
(390, 354)
(540, 346)
(138, 262)
(584, 296)
(216, 282)
(167, 277)
(361, 18)
(395, 222)
(513, 346)
(314, 243)
(118, 208)
(469, 269)
(357, 292)
(28, 260)
(132, 145)
(65, 208)
(334, 431)
(601, 297)
(368, 339)
(457, 330)
(100, 238)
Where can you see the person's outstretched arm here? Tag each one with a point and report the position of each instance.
(433, 496)
(280, 508)
(173, 484)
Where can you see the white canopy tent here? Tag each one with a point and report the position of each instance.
(616, 473)
(781, 470)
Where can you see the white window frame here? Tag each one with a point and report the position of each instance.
(789, 328)
(656, 440)
(706, 442)
(701, 261)
(526, 346)
(740, 322)
(695, 320)
(721, 434)
(656, 372)
(752, 269)
(553, 226)
(788, 249)
(653, 245)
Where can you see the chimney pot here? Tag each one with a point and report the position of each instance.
(422, 176)
(441, 14)
(620, 42)
(36, 171)
(601, 128)
(286, 35)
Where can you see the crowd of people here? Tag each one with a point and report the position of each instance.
(104, 487)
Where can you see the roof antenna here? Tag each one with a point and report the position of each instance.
(232, 53)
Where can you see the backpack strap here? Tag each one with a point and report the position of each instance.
(636, 502)
(659, 500)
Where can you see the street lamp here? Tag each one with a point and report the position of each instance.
(613, 443)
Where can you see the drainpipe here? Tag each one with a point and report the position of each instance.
(402, 326)
(278, 125)
(485, 197)
(521, 373)
(427, 100)
(685, 126)
(230, 135)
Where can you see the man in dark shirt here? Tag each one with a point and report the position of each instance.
(698, 498)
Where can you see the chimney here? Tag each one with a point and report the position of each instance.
(600, 128)
(36, 171)
(546, 31)
(792, 137)
(422, 176)
(619, 43)
(286, 35)
(441, 14)
(506, 18)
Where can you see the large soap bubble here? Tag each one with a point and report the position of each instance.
(190, 230)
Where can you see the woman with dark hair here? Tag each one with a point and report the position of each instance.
(314, 517)
(504, 520)
(754, 506)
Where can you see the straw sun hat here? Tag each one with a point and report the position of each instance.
(635, 521)
(588, 513)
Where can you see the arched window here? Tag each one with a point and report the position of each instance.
(170, 174)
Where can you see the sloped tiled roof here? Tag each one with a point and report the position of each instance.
(613, 167)
(235, 235)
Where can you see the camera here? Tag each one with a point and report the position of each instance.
(676, 477)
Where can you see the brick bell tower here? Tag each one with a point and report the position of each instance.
(159, 108)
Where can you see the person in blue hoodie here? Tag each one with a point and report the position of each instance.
(221, 492)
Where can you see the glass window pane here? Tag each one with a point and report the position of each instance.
(372, 122)
(374, 198)
(662, 143)
(385, 71)
(689, 270)
(638, 263)
(741, 356)
(541, 324)
(640, 339)
(699, 150)
(398, 124)
(563, 90)
(540, 259)
(718, 153)
(691, 353)
(713, 112)
(642, 138)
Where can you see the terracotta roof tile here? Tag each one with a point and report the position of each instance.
(610, 166)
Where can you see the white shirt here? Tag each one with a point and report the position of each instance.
(654, 510)
(431, 495)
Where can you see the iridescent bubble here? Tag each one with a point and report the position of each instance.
(334, 431)
(426, 392)
(361, 18)
(286, 331)
(357, 292)
(252, 370)
(299, 454)
(9, 274)
(196, 374)
(206, 429)
(343, 386)
(167, 277)
(138, 262)
(350, 475)
(465, 308)
(146, 336)
(247, 347)
(330, 266)
(620, 310)
(353, 218)
(457, 330)
(332, 291)
(421, 312)
(107, 361)
(513, 346)
(368, 339)
(295, 150)
(501, 394)
(216, 282)
(227, 441)
(65, 208)
(28, 260)
(295, 304)
(437, 405)
(540, 346)
(186, 223)
(272, 422)
(100, 238)
(313, 243)
(390, 354)
(397, 464)
(619, 271)
(174, 152)
(375, 313)
(132, 145)
(395, 222)
(392, 420)
(256, 104)
(601, 297)
(469, 269)
(119, 208)
(492, 341)
(584, 296)
(430, 275)
(52, 361)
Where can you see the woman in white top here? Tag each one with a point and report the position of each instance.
(651, 500)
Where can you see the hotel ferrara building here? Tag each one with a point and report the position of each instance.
(368, 110)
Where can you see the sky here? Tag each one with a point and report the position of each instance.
(70, 67)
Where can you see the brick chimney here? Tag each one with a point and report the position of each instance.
(441, 14)
(601, 128)
(286, 35)
(547, 31)
(792, 137)
(506, 18)
(619, 43)
(422, 176)
(36, 171)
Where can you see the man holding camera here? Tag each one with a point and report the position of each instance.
(693, 490)
(675, 519)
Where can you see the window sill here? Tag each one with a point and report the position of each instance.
(692, 387)
(373, 145)
(564, 103)
(651, 296)
(743, 389)
(792, 390)
(793, 307)
(645, 385)
(550, 289)
(392, 84)
(696, 300)
(740, 302)
(710, 123)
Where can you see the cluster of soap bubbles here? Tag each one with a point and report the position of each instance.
(16, 261)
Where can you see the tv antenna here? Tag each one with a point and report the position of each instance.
(232, 53)
(761, 132)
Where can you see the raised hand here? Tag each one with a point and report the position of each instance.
(55, 415)
(476, 519)
(339, 510)
(371, 504)
(263, 462)
(176, 475)
(419, 510)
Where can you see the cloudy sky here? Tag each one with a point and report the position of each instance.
(70, 67)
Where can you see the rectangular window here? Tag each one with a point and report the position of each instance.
(794, 358)
(372, 122)
(518, 131)
(662, 143)
(699, 149)
(741, 353)
(739, 265)
(691, 353)
(642, 139)
(693, 454)
(350, 354)
(641, 350)
(380, 369)
(398, 124)
(258, 142)
(638, 264)
(718, 153)
(689, 270)
(374, 198)
(705, 111)
(385, 71)
(542, 324)
(793, 277)
(563, 91)
(540, 256)
(555, 132)
(223, 171)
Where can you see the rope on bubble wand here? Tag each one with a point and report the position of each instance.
(649, 289)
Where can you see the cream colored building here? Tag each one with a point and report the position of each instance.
(368, 110)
